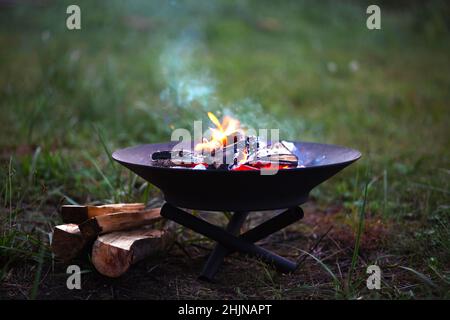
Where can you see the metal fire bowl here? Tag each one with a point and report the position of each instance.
(218, 190)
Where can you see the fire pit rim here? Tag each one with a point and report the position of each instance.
(115, 155)
(249, 191)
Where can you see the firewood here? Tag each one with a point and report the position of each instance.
(290, 160)
(67, 242)
(118, 221)
(114, 253)
(78, 214)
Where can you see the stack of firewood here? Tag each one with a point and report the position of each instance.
(119, 235)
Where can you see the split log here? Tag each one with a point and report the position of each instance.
(118, 221)
(78, 214)
(114, 253)
(290, 160)
(67, 242)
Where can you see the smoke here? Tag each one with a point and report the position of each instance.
(186, 84)
(191, 90)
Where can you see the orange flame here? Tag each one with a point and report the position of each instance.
(220, 134)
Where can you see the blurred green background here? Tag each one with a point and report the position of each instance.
(138, 69)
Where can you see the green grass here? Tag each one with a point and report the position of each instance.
(138, 69)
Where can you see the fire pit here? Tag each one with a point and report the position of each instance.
(220, 190)
(236, 186)
(238, 191)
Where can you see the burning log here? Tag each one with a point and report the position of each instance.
(114, 253)
(229, 148)
(78, 214)
(162, 155)
(67, 242)
(176, 158)
(283, 160)
(277, 153)
(118, 221)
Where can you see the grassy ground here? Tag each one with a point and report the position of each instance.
(138, 69)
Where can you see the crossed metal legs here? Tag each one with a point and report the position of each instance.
(229, 241)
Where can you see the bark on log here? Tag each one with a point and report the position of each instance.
(118, 221)
(78, 214)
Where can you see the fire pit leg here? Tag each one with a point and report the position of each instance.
(216, 257)
(272, 225)
(259, 232)
(225, 238)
